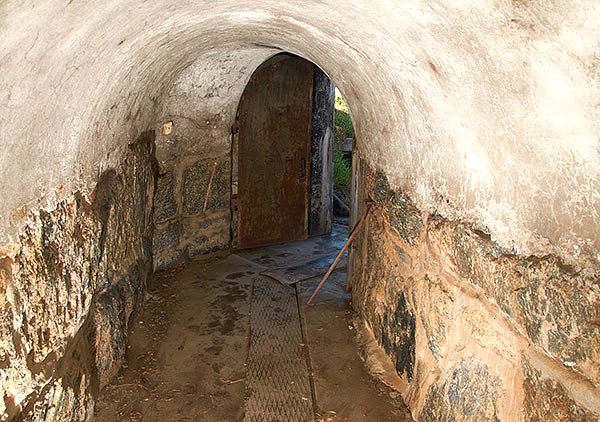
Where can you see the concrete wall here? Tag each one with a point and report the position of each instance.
(481, 116)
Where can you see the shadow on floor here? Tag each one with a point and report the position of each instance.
(188, 353)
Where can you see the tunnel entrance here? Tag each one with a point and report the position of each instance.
(476, 276)
(274, 119)
(282, 177)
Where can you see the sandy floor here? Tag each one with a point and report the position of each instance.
(187, 353)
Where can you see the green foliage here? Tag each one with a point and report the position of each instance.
(343, 123)
(340, 104)
(342, 170)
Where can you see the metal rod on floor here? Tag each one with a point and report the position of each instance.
(339, 256)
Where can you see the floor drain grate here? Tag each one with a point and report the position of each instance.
(278, 387)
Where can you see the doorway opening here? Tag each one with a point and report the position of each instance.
(342, 160)
(294, 168)
(282, 154)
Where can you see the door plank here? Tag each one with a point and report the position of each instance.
(275, 115)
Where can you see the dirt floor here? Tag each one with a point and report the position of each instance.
(187, 355)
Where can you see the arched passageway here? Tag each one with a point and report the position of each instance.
(273, 143)
(477, 275)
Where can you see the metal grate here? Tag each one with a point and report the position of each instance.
(278, 387)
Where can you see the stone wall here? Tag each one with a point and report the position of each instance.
(476, 332)
(192, 213)
(194, 187)
(320, 213)
(483, 115)
(69, 287)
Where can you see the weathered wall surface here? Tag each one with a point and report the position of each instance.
(193, 191)
(320, 214)
(477, 332)
(482, 114)
(68, 288)
(192, 210)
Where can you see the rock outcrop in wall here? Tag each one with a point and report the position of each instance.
(476, 332)
(69, 288)
(320, 214)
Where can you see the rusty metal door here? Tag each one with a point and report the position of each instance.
(274, 118)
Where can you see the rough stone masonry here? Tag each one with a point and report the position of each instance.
(478, 132)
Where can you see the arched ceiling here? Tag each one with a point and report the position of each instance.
(483, 112)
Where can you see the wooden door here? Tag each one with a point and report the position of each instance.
(274, 119)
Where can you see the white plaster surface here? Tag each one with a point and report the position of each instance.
(484, 111)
